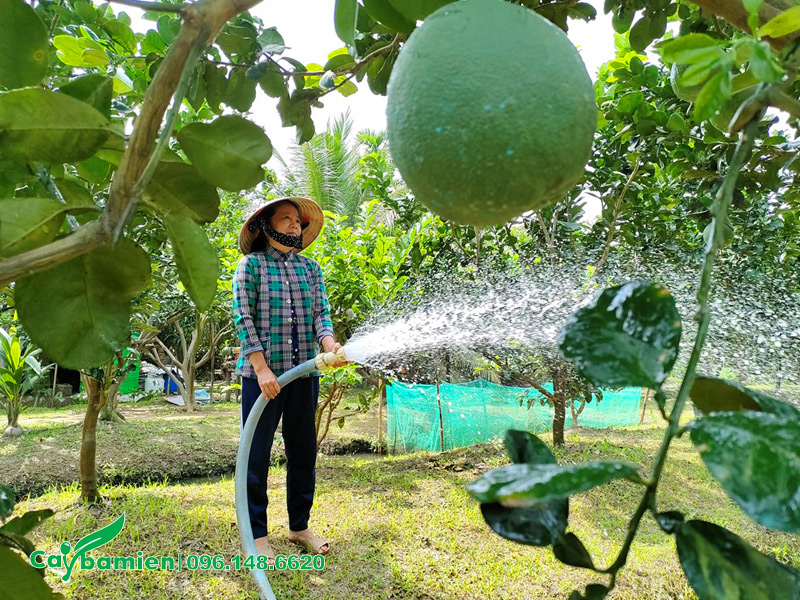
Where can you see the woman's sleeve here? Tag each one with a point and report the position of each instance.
(323, 325)
(245, 303)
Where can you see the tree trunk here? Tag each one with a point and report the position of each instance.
(227, 373)
(188, 387)
(110, 410)
(12, 412)
(559, 409)
(576, 412)
(213, 360)
(559, 418)
(94, 390)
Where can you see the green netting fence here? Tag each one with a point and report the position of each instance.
(468, 413)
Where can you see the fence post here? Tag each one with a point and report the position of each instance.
(441, 422)
(381, 398)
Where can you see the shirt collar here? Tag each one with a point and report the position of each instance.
(275, 253)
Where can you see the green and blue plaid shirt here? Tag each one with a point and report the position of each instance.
(280, 308)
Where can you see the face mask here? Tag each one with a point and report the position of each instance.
(293, 241)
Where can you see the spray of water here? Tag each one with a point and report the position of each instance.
(755, 333)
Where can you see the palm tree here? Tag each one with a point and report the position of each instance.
(325, 169)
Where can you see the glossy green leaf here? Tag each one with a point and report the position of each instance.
(228, 152)
(216, 86)
(669, 521)
(756, 458)
(713, 96)
(788, 21)
(168, 27)
(20, 579)
(122, 34)
(94, 170)
(78, 311)
(23, 45)
(417, 10)
(94, 90)
(677, 123)
(340, 61)
(80, 52)
(236, 40)
(583, 11)
(764, 63)
(51, 127)
(344, 19)
(525, 485)
(722, 566)
(640, 36)
(594, 591)
(628, 336)
(347, 89)
(24, 524)
(383, 12)
(538, 525)
(630, 102)
(378, 73)
(177, 189)
(271, 41)
(524, 447)
(714, 395)
(7, 502)
(273, 84)
(622, 19)
(688, 48)
(195, 258)
(27, 223)
(240, 92)
(571, 551)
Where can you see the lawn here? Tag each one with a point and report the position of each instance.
(400, 526)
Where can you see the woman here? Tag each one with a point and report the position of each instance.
(281, 311)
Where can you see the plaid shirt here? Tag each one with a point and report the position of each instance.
(275, 293)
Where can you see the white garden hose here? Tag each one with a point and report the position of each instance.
(319, 362)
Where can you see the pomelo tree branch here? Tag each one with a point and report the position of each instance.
(734, 12)
(719, 210)
(201, 24)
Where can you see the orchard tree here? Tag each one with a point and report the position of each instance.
(87, 117)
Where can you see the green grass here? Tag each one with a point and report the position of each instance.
(403, 527)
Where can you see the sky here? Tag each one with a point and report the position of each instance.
(307, 29)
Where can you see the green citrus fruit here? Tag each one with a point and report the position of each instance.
(490, 112)
(724, 115)
(682, 91)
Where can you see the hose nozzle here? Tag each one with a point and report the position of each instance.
(326, 359)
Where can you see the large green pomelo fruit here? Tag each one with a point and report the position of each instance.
(490, 112)
(684, 92)
(724, 115)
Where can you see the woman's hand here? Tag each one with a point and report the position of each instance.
(268, 383)
(329, 345)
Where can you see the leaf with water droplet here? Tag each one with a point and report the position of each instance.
(756, 458)
(628, 336)
(716, 395)
(720, 565)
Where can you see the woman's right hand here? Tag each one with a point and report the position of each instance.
(268, 383)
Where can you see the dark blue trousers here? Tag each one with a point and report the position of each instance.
(296, 404)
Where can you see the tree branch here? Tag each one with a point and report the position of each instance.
(613, 228)
(152, 6)
(166, 349)
(213, 342)
(734, 12)
(201, 24)
(183, 339)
